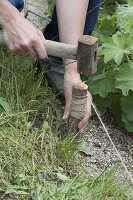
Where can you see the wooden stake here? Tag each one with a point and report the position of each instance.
(78, 105)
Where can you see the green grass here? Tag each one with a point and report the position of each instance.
(34, 159)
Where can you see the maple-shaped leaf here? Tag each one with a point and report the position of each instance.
(125, 10)
(102, 84)
(124, 78)
(115, 47)
(124, 16)
(104, 28)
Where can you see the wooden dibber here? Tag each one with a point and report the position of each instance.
(78, 105)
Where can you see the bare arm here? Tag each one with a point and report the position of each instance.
(19, 34)
(71, 16)
(71, 20)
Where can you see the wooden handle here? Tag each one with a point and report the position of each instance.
(54, 48)
(60, 49)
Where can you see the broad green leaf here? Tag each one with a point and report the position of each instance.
(124, 78)
(125, 10)
(130, 2)
(116, 109)
(101, 103)
(102, 84)
(5, 105)
(107, 26)
(62, 177)
(114, 48)
(104, 28)
(124, 16)
(84, 148)
(128, 124)
(127, 106)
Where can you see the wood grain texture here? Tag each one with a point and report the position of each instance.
(78, 105)
(87, 55)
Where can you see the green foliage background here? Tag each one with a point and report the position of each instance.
(112, 85)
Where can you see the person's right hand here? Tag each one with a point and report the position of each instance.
(23, 38)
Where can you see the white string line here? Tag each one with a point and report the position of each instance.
(96, 7)
(25, 6)
(118, 154)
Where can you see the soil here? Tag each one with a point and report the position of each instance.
(102, 156)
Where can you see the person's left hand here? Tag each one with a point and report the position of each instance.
(69, 80)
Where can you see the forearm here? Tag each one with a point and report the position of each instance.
(71, 20)
(7, 12)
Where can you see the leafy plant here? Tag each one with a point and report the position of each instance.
(114, 78)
